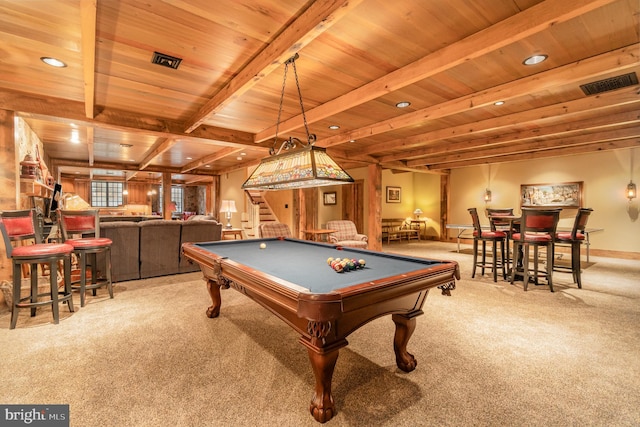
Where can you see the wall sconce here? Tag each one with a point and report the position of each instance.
(487, 192)
(228, 207)
(632, 193)
(417, 213)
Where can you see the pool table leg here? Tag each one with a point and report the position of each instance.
(322, 407)
(214, 292)
(405, 325)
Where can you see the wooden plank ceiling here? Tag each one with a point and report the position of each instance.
(452, 60)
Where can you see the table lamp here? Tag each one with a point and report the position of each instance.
(228, 207)
(417, 213)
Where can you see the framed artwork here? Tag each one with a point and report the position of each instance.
(558, 195)
(394, 194)
(329, 198)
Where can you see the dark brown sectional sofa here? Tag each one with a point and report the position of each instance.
(152, 248)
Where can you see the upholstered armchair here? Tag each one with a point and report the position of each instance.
(273, 229)
(346, 234)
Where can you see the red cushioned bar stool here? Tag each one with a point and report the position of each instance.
(497, 238)
(537, 230)
(20, 226)
(75, 225)
(574, 238)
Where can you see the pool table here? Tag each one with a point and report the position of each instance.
(293, 280)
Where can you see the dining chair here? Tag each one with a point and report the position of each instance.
(574, 238)
(20, 227)
(496, 238)
(81, 230)
(537, 230)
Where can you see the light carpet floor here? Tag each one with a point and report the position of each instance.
(489, 355)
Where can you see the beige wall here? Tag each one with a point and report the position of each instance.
(230, 189)
(605, 176)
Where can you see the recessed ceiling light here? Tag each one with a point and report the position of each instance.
(189, 158)
(334, 127)
(403, 104)
(352, 140)
(207, 166)
(53, 62)
(535, 59)
(243, 154)
(498, 103)
(239, 158)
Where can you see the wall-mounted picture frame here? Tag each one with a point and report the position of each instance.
(394, 194)
(329, 198)
(555, 195)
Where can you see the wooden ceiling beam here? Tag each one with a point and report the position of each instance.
(541, 144)
(540, 116)
(28, 105)
(88, 13)
(124, 167)
(620, 60)
(161, 145)
(210, 158)
(533, 155)
(515, 28)
(316, 19)
(564, 129)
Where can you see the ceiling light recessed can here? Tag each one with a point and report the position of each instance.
(403, 104)
(535, 59)
(53, 62)
(334, 127)
(498, 103)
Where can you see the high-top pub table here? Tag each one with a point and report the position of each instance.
(292, 279)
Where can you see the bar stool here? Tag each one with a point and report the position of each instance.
(574, 238)
(537, 230)
(85, 223)
(485, 236)
(502, 220)
(20, 226)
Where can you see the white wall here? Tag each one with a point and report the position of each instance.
(604, 175)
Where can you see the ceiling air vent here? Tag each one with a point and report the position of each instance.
(612, 83)
(166, 60)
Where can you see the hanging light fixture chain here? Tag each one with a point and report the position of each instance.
(310, 138)
(284, 82)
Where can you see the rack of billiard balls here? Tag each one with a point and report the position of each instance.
(345, 264)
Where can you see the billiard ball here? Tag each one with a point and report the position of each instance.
(263, 245)
(329, 260)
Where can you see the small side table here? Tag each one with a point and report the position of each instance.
(235, 232)
(316, 235)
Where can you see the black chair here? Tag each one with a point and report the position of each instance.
(83, 224)
(21, 226)
(574, 238)
(537, 230)
(484, 236)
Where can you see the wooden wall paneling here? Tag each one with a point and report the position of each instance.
(8, 181)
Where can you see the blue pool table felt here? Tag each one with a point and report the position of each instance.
(304, 263)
